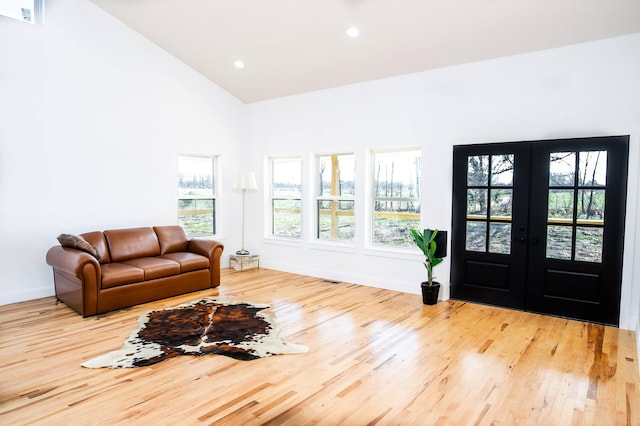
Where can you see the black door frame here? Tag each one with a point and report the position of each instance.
(528, 235)
(607, 311)
(483, 267)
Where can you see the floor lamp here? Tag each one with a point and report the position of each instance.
(244, 181)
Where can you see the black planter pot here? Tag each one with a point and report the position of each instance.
(430, 292)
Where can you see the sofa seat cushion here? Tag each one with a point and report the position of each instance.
(155, 267)
(116, 274)
(188, 261)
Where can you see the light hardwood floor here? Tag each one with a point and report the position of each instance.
(376, 357)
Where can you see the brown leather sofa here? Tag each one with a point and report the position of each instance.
(132, 266)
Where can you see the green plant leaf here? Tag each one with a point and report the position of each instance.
(426, 242)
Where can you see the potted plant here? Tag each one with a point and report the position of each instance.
(426, 241)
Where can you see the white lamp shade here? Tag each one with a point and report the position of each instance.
(245, 180)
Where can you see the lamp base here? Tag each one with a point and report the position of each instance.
(242, 252)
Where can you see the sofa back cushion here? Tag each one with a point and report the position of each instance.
(99, 243)
(172, 239)
(125, 244)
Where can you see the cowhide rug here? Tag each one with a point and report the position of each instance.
(207, 326)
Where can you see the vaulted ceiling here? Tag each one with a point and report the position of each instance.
(295, 46)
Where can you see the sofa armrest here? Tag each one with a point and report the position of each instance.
(77, 278)
(212, 250)
(70, 260)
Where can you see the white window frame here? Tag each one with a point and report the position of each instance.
(335, 198)
(408, 244)
(273, 197)
(198, 197)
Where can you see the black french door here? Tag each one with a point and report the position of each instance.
(539, 225)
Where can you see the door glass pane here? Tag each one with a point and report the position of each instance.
(559, 242)
(591, 204)
(476, 236)
(593, 168)
(477, 202)
(561, 204)
(562, 168)
(589, 244)
(478, 170)
(500, 238)
(501, 203)
(502, 170)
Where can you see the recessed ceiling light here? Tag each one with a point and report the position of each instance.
(238, 64)
(352, 32)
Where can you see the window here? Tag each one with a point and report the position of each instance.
(196, 195)
(489, 203)
(286, 197)
(396, 197)
(575, 215)
(335, 213)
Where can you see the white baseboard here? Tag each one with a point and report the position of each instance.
(24, 295)
(404, 287)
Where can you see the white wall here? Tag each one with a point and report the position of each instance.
(591, 89)
(92, 118)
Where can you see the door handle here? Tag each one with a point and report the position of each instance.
(522, 240)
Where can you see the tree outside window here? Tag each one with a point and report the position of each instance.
(335, 197)
(286, 197)
(196, 195)
(396, 197)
